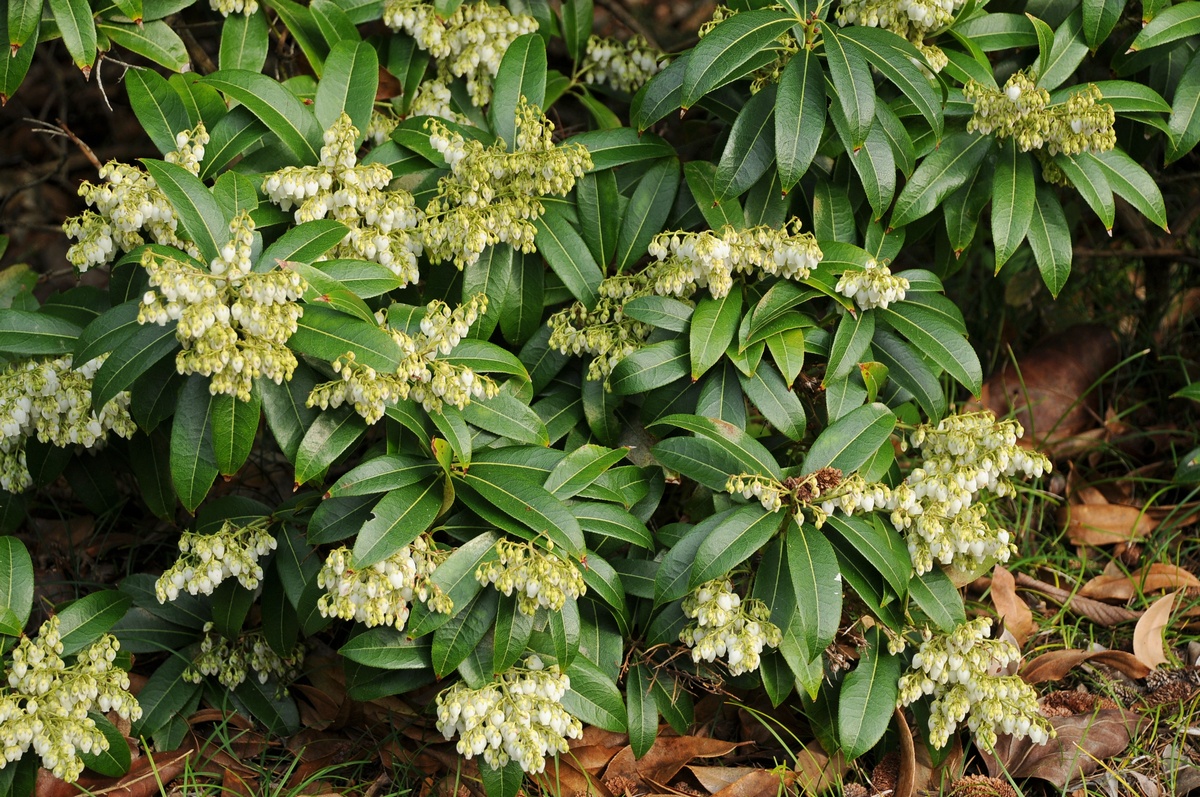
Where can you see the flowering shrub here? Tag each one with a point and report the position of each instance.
(562, 408)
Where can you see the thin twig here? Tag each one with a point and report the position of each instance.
(61, 129)
(199, 54)
(630, 21)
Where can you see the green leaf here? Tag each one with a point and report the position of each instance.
(701, 177)
(234, 427)
(328, 334)
(23, 19)
(651, 366)
(867, 698)
(1126, 97)
(580, 468)
(397, 520)
(993, 32)
(1050, 239)
(1045, 38)
(569, 257)
(533, 507)
(613, 522)
(335, 26)
(595, 198)
(158, 107)
(16, 581)
(244, 42)
(854, 90)
(787, 349)
(770, 393)
(851, 440)
(662, 94)
(577, 27)
(503, 782)
(82, 623)
(880, 547)
(965, 206)
(896, 59)
(388, 649)
(937, 596)
(78, 29)
(593, 697)
(513, 629)
(456, 578)
(660, 311)
(817, 586)
(25, 333)
(1099, 19)
(303, 28)
(201, 216)
(1184, 122)
(850, 344)
(489, 275)
(276, 107)
(875, 165)
(714, 323)
(193, 460)
(724, 51)
(1092, 184)
(735, 540)
(910, 371)
(331, 434)
(621, 146)
(642, 717)
(14, 65)
(648, 210)
(155, 40)
(947, 168)
(507, 417)
(303, 243)
(144, 348)
(934, 326)
(1066, 53)
(1013, 198)
(750, 149)
(164, 695)
(382, 474)
(522, 73)
(1131, 182)
(750, 454)
(1172, 24)
(455, 640)
(347, 85)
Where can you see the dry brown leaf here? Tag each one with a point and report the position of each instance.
(598, 737)
(907, 784)
(1095, 611)
(713, 779)
(1148, 633)
(142, 779)
(566, 781)
(664, 759)
(755, 783)
(1017, 617)
(938, 778)
(1157, 577)
(1055, 665)
(1080, 743)
(817, 771)
(1105, 524)
(592, 758)
(1050, 388)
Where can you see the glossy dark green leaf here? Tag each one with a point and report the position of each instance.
(642, 711)
(878, 544)
(577, 27)
(1050, 239)
(851, 440)
(1099, 19)
(513, 629)
(935, 328)
(648, 210)
(896, 59)
(660, 311)
(1013, 199)
(1092, 183)
(244, 42)
(82, 622)
(16, 580)
(850, 343)
(750, 454)
(199, 213)
(816, 586)
(78, 30)
(595, 201)
(750, 149)
(660, 96)
(964, 208)
(580, 468)
(1184, 122)
(507, 417)
(533, 507)
(714, 323)
(193, 460)
(723, 52)
(701, 180)
(15, 65)
(799, 116)
(1066, 53)
(947, 168)
(651, 366)
(854, 90)
(348, 85)
(279, 109)
(455, 640)
(569, 257)
(1133, 184)
(335, 26)
(328, 334)
(329, 436)
(593, 697)
(398, 519)
(938, 598)
(1170, 25)
(158, 107)
(23, 19)
(622, 146)
(382, 474)
(770, 393)
(910, 371)
(741, 535)
(522, 73)
(26, 333)
(867, 698)
(164, 695)
(234, 427)
(455, 577)
(503, 782)
(153, 39)
(388, 649)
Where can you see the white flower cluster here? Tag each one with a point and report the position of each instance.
(381, 594)
(959, 670)
(517, 717)
(432, 98)
(710, 259)
(206, 560)
(1022, 111)
(380, 222)
(231, 661)
(227, 7)
(50, 399)
(234, 323)
(46, 706)
(912, 19)
(469, 43)
(728, 626)
(605, 331)
(128, 206)
(541, 579)
(492, 195)
(765, 490)
(623, 65)
(421, 376)
(873, 286)
(380, 126)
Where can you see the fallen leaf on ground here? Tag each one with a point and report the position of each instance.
(142, 779)
(1095, 611)
(755, 783)
(1157, 577)
(567, 781)
(664, 759)
(1105, 524)
(1148, 633)
(907, 785)
(1081, 742)
(817, 771)
(713, 779)
(1055, 665)
(1050, 389)
(1017, 617)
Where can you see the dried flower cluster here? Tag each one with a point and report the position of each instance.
(47, 703)
(540, 578)
(1023, 111)
(51, 400)
(726, 625)
(959, 670)
(517, 717)
(206, 560)
(381, 593)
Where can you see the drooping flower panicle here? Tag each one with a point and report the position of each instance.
(728, 625)
(381, 594)
(626, 66)
(872, 286)
(232, 661)
(1021, 110)
(540, 578)
(206, 560)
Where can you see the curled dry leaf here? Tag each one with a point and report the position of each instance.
(1081, 742)
(1017, 617)
(1148, 633)
(1105, 524)
(1050, 389)
(1157, 577)
(816, 771)
(1055, 665)
(756, 783)
(567, 781)
(664, 759)
(1097, 612)
(907, 784)
(142, 779)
